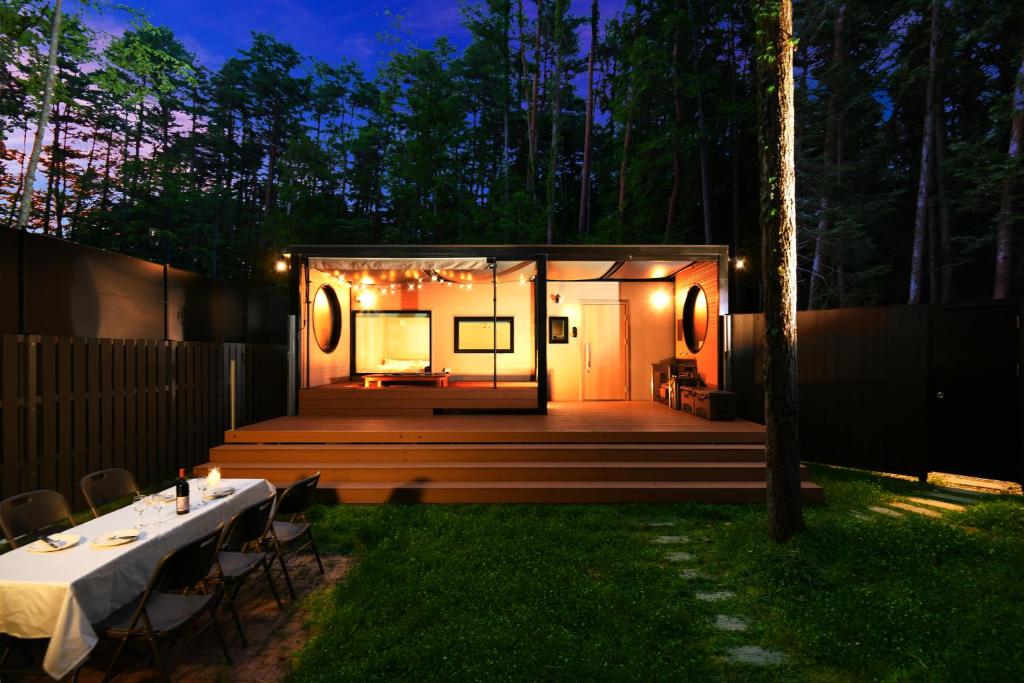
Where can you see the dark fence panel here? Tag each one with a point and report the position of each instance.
(67, 289)
(10, 301)
(74, 291)
(866, 388)
(71, 405)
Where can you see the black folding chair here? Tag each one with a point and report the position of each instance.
(30, 516)
(293, 503)
(241, 554)
(106, 486)
(168, 603)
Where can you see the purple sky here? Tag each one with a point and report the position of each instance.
(328, 30)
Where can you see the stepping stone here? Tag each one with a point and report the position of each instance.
(715, 596)
(936, 503)
(751, 654)
(860, 515)
(658, 524)
(885, 511)
(691, 574)
(727, 623)
(679, 557)
(668, 540)
(955, 499)
(924, 512)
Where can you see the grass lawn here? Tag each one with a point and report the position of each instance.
(581, 592)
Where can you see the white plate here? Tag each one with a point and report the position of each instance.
(221, 492)
(65, 541)
(116, 538)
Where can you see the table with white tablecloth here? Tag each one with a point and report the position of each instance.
(59, 595)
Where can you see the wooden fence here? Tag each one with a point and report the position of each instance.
(71, 405)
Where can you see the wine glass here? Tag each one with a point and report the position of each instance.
(139, 505)
(157, 501)
(201, 486)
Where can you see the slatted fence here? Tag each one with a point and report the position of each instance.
(71, 405)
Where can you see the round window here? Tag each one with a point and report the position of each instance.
(326, 319)
(695, 318)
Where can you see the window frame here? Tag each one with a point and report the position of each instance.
(487, 319)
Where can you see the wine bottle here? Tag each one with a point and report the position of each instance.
(182, 492)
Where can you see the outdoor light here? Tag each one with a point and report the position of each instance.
(367, 299)
(660, 299)
(281, 265)
(740, 263)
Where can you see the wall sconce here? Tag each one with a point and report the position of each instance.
(281, 265)
(558, 298)
(739, 263)
(660, 299)
(367, 299)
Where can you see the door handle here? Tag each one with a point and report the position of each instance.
(587, 347)
(940, 394)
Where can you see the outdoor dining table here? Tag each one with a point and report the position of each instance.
(59, 595)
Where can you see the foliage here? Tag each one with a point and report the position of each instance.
(153, 153)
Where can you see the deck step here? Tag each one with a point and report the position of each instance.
(581, 471)
(553, 492)
(537, 452)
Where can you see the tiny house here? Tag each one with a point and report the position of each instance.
(500, 328)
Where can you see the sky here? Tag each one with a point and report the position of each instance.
(329, 30)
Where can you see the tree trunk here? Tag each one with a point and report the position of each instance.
(505, 100)
(677, 164)
(1004, 228)
(945, 223)
(921, 212)
(583, 225)
(702, 151)
(44, 117)
(556, 113)
(774, 20)
(623, 165)
(268, 195)
(531, 177)
(825, 220)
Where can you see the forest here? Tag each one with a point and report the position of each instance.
(548, 126)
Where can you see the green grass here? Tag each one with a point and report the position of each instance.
(580, 592)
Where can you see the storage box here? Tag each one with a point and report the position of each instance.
(687, 401)
(714, 405)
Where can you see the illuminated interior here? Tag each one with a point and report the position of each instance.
(472, 320)
(392, 342)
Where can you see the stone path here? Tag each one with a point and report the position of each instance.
(274, 634)
(932, 504)
(744, 655)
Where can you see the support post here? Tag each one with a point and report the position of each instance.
(232, 365)
(540, 297)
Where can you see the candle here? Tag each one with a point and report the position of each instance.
(213, 477)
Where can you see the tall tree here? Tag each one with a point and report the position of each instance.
(44, 118)
(583, 225)
(702, 146)
(555, 92)
(1004, 225)
(924, 175)
(775, 45)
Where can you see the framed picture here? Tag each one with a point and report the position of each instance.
(558, 329)
(480, 335)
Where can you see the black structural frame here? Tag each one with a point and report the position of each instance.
(352, 336)
(540, 254)
(494, 320)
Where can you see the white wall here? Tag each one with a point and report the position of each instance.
(650, 331)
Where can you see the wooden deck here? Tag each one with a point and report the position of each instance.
(356, 400)
(596, 452)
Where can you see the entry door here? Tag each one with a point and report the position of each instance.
(605, 352)
(975, 391)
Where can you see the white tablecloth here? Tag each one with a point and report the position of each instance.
(59, 595)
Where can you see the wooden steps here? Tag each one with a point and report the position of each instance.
(601, 471)
(350, 454)
(555, 492)
(581, 453)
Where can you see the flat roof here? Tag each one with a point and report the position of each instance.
(575, 252)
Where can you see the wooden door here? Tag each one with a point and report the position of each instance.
(605, 352)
